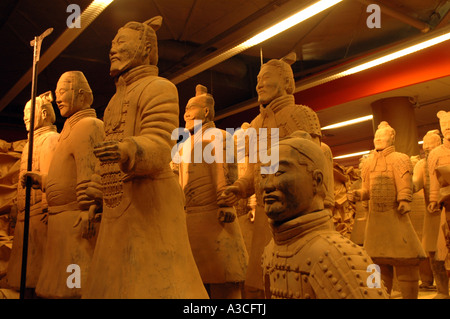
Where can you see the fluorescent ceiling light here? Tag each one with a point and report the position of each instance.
(270, 32)
(396, 55)
(352, 155)
(349, 122)
(287, 23)
(359, 153)
(409, 47)
(102, 3)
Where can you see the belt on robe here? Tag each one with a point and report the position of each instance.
(52, 210)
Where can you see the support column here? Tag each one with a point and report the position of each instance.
(399, 113)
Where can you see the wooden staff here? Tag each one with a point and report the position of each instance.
(36, 43)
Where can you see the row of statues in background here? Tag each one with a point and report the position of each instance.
(106, 197)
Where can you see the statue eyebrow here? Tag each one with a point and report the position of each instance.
(282, 162)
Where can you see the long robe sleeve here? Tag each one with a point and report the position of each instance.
(149, 150)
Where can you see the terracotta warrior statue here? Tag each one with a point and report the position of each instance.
(275, 89)
(70, 238)
(361, 209)
(245, 208)
(390, 238)
(214, 232)
(438, 207)
(45, 139)
(307, 258)
(143, 248)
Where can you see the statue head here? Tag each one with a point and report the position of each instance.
(73, 93)
(384, 136)
(135, 44)
(200, 107)
(444, 122)
(298, 187)
(44, 114)
(431, 140)
(275, 79)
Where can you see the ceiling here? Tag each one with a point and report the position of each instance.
(194, 30)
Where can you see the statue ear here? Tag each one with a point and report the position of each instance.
(82, 95)
(317, 180)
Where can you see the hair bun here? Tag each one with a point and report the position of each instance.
(155, 22)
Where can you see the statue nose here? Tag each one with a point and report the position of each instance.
(268, 185)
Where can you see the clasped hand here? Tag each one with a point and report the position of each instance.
(111, 151)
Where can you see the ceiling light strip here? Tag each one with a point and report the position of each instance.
(360, 153)
(349, 122)
(270, 32)
(352, 155)
(409, 47)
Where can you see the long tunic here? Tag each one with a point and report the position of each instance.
(432, 235)
(390, 236)
(218, 248)
(143, 249)
(440, 156)
(73, 164)
(45, 139)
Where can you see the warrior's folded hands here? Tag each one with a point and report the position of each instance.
(36, 179)
(111, 151)
(90, 192)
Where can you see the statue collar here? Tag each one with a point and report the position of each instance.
(198, 138)
(74, 119)
(446, 143)
(278, 104)
(208, 125)
(136, 73)
(388, 150)
(301, 226)
(45, 129)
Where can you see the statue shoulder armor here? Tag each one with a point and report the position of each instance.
(338, 269)
(435, 154)
(302, 117)
(401, 163)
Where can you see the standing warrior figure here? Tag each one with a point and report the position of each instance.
(143, 248)
(438, 163)
(69, 241)
(390, 239)
(307, 258)
(278, 111)
(45, 139)
(214, 232)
